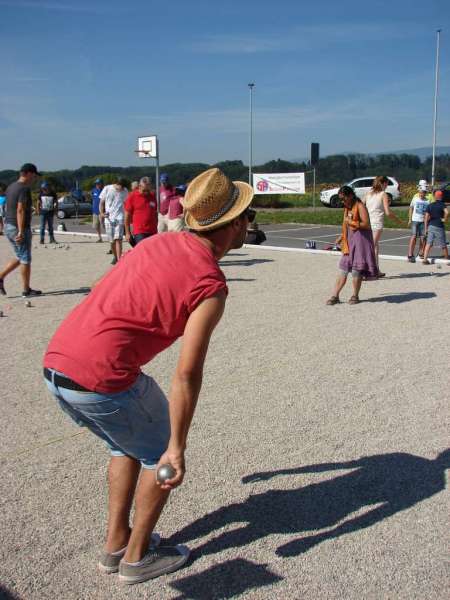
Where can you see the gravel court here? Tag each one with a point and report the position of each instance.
(278, 500)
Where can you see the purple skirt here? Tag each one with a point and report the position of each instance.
(361, 256)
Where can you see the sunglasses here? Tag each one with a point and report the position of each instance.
(250, 214)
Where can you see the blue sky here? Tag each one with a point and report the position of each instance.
(82, 79)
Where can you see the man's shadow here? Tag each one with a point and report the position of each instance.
(383, 484)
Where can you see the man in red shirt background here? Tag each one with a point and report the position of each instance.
(170, 286)
(141, 213)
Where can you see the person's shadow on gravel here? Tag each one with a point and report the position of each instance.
(391, 482)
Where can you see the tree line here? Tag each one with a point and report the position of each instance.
(334, 168)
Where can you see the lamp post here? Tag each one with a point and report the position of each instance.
(436, 90)
(250, 158)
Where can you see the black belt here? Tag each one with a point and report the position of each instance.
(64, 382)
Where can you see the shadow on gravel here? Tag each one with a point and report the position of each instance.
(82, 290)
(225, 580)
(402, 297)
(416, 275)
(6, 594)
(380, 485)
(245, 263)
(240, 279)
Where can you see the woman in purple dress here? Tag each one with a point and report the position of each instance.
(357, 247)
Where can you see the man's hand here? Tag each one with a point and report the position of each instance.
(19, 237)
(176, 459)
(128, 237)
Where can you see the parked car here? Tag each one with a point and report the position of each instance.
(69, 206)
(362, 185)
(446, 189)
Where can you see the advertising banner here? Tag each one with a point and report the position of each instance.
(279, 183)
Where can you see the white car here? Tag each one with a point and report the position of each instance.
(362, 185)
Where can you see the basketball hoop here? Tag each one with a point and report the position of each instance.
(143, 153)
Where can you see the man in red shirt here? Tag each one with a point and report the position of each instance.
(141, 213)
(169, 286)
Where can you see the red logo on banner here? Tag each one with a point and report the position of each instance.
(262, 186)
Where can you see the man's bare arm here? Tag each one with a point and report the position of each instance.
(187, 381)
(20, 221)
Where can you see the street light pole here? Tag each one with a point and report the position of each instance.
(250, 158)
(436, 90)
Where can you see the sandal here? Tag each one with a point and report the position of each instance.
(333, 300)
(354, 300)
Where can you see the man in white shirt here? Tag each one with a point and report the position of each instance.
(416, 218)
(112, 201)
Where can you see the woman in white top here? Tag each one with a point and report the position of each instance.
(377, 204)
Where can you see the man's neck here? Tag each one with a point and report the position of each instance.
(217, 250)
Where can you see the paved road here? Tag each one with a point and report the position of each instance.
(394, 241)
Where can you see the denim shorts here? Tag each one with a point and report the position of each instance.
(22, 250)
(132, 423)
(418, 228)
(436, 235)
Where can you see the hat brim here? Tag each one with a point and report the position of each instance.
(242, 202)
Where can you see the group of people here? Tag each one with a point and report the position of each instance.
(363, 225)
(134, 215)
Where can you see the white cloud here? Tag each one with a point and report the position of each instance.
(297, 38)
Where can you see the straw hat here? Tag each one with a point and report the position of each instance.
(212, 200)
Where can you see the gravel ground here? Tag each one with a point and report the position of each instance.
(316, 464)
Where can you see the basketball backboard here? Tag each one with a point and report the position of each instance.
(147, 146)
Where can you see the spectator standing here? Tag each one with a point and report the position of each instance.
(435, 218)
(112, 199)
(2, 206)
(175, 220)
(134, 185)
(140, 213)
(47, 204)
(18, 228)
(357, 247)
(166, 191)
(416, 218)
(96, 219)
(377, 204)
(127, 319)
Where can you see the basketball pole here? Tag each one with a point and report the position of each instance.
(157, 175)
(436, 91)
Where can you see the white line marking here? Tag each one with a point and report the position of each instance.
(294, 229)
(403, 237)
(316, 238)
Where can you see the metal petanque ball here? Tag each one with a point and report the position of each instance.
(28, 304)
(165, 472)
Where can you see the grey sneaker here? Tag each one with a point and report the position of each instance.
(109, 563)
(159, 561)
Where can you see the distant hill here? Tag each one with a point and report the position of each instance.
(422, 153)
